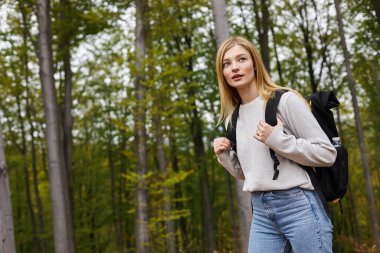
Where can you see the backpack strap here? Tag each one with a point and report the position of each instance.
(231, 128)
(271, 119)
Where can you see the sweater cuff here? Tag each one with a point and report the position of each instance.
(224, 157)
(274, 137)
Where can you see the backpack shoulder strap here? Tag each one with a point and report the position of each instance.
(231, 128)
(271, 107)
(271, 119)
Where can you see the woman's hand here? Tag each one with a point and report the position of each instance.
(221, 144)
(264, 130)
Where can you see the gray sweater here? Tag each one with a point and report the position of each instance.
(300, 141)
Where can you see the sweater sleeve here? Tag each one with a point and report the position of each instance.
(229, 160)
(305, 143)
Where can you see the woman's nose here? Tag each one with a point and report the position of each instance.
(234, 66)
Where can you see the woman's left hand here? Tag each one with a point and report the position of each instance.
(264, 130)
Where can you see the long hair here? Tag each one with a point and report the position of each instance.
(229, 96)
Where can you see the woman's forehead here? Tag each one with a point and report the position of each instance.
(234, 51)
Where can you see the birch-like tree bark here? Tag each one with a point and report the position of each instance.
(7, 239)
(142, 234)
(243, 198)
(359, 129)
(59, 192)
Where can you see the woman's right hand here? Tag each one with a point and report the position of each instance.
(221, 144)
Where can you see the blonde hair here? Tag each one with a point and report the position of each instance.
(229, 96)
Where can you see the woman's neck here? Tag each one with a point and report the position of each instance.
(248, 93)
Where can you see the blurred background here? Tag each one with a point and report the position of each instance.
(108, 110)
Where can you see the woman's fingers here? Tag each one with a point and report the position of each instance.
(221, 144)
(263, 131)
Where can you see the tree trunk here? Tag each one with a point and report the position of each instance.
(59, 192)
(178, 194)
(169, 224)
(35, 177)
(359, 129)
(67, 122)
(26, 174)
(207, 216)
(7, 239)
(219, 11)
(376, 7)
(262, 26)
(31, 126)
(142, 235)
(111, 165)
(308, 46)
(243, 198)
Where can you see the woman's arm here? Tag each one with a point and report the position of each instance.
(307, 144)
(227, 158)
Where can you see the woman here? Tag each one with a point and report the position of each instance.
(287, 213)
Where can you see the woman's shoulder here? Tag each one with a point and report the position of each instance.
(292, 98)
(292, 102)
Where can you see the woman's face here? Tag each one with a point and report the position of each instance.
(238, 67)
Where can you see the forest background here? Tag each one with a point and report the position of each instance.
(109, 108)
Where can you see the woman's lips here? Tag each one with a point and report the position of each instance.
(237, 77)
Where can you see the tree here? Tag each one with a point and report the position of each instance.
(142, 232)
(376, 7)
(63, 239)
(7, 240)
(359, 129)
(262, 24)
(244, 198)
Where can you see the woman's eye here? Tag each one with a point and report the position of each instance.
(242, 59)
(226, 64)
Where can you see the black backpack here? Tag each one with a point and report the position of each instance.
(330, 183)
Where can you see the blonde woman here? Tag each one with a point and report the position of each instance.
(287, 213)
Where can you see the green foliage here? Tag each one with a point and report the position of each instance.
(97, 36)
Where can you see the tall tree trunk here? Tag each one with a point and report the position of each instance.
(178, 193)
(111, 165)
(65, 41)
(207, 216)
(7, 239)
(40, 220)
(243, 198)
(169, 224)
(122, 195)
(359, 129)
(142, 235)
(262, 25)
(59, 192)
(26, 174)
(307, 42)
(376, 7)
(31, 127)
(219, 12)
(67, 122)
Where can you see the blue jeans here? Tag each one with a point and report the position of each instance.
(290, 219)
